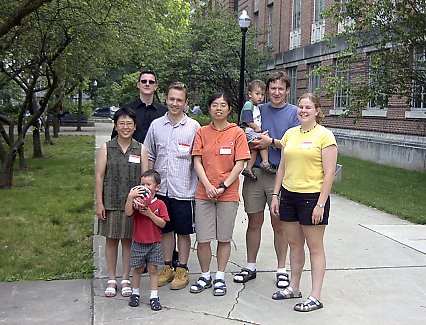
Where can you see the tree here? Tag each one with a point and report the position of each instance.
(396, 31)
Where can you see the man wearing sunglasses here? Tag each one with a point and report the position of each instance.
(145, 108)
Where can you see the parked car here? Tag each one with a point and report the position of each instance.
(68, 118)
(107, 111)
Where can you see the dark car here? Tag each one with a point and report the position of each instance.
(107, 111)
(68, 118)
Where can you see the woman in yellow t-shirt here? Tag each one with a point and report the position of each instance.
(303, 180)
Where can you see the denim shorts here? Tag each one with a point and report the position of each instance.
(181, 214)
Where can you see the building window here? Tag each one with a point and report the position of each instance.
(269, 30)
(341, 98)
(295, 32)
(419, 89)
(314, 79)
(347, 22)
(292, 75)
(318, 24)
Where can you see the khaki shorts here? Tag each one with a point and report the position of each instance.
(257, 193)
(214, 220)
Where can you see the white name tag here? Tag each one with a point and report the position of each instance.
(183, 147)
(225, 151)
(305, 145)
(135, 159)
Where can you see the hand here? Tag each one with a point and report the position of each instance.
(100, 211)
(212, 192)
(317, 215)
(275, 208)
(263, 141)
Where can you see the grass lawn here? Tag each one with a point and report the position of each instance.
(397, 191)
(46, 218)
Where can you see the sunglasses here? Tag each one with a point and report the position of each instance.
(144, 81)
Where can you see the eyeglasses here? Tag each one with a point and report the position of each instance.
(216, 105)
(123, 124)
(144, 81)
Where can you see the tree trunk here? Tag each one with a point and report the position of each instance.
(6, 172)
(47, 138)
(80, 105)
(37, 151)
(22, 161)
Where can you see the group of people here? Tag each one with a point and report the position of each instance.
(193, 175)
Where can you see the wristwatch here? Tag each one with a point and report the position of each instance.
(222, 185)
(321, 205)
(272, 143)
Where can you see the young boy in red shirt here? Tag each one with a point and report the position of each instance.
(146, 244)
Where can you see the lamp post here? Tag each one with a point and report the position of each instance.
(95, 95)
(244, 22)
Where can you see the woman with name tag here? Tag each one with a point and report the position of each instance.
(303, 181)
(219, 152)
(119, 165)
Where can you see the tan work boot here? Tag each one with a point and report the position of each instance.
(166, 275)
(181, 279)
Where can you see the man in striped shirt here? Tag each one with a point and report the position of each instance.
(169, 143)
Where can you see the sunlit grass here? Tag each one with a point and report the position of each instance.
(46, 218)
(397, 191)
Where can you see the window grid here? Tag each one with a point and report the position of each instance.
(314, 79)
(292, 75)
(419, 90)
(341, 98)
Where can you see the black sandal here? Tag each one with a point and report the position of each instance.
(200, 285)
(244, 275)
(249, 174)
(282, 280)
(134, 300)
(155, 304)
(310, 304)
(219, 287)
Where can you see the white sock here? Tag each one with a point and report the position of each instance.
(251, 266)
(135, 291)
(154, 294)
(281, 270)
(205, 275)
(220, 275)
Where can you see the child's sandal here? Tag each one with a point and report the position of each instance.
(155, 304)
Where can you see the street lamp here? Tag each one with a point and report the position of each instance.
(95, 84)
(244, 22)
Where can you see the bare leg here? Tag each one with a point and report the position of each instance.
(137, 274)
(125, 255)
(314, 238)
(184, 246)
(168, 244)
(296, 241)
(265, 156)
(111, 252)
(253, 235)
(253, 155)
(204, 253)
(153, 276)
(223, 252)
(280, 241)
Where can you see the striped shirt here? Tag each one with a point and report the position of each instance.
(169, 147)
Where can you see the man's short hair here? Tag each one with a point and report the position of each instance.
(179, 86)
(152, 72)
(278, 75)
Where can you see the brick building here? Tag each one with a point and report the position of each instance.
(390, 131)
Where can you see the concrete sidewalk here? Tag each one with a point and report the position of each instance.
(376, 274)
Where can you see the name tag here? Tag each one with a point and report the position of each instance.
(135, 159)
(183, 147)
(225, 151)
(305, 145)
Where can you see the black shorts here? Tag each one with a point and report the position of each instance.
(299, 207)
(181, 214)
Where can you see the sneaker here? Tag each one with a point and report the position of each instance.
(181, 279)
(166, 275)
(267, 168)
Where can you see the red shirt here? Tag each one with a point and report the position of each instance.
(145, 231)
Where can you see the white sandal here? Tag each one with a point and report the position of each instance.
(111, 291)
(126, 291)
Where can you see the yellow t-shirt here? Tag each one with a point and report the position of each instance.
(303, 158)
